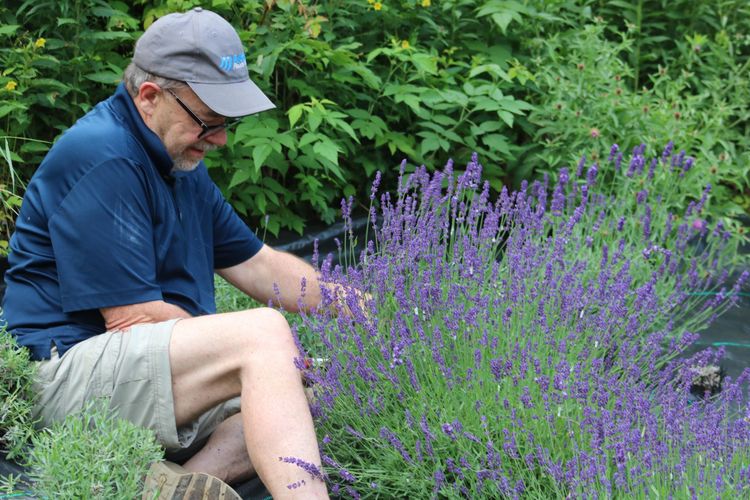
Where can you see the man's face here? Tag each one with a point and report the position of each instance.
(180, 132)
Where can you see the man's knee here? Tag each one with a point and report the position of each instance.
(264, 329)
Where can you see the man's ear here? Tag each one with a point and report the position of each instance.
(148, 95)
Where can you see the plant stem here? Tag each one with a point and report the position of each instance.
(637, 53)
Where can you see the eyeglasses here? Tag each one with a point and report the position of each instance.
(206, 129)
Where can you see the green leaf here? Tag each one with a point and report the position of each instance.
(430, 143)
(506, 117)
(491, 69)
(515, 106)
(410, 100)
(10, 107)
(111, 35)
(308, 138)
(9, 29)
(105, 77)
(328, 150)
(239, 177)
(35, 147)
(373, 54)
(503, 19)
(287, 140)
(444, 120)
(295, 112)
(260, 153)
(425, 62)
(484, 127)
(314, 119)
(342, 125)
(49, 84)
(272, 183)
(497, 142)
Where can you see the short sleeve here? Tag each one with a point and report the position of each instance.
(234, 242)
(102, 238)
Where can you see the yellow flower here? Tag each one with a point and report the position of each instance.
(404, 44)
(370, 1)
(11, 85)
(426, 3)
(377, 6)
(40, 43)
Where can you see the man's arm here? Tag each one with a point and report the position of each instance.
(121, 317)
(257, 276)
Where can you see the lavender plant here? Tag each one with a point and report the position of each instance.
(527, 346)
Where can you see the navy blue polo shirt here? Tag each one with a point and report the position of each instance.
(104, 223)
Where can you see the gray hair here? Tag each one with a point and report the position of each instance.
(134, 77)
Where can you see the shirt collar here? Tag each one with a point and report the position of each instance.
(123, 105)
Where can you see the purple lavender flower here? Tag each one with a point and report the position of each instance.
(613, 151)
(308, 467)
(641, 196)
(529, 327)
(688, 164)
(581, 165)
(591, 175)
(388, 435)
(564, 176)
(647, 222)
(652, 168)
(667, 151)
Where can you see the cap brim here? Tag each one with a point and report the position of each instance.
(232, 99)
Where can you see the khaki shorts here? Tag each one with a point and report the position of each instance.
(130, 369)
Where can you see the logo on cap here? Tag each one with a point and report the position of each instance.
(232, 62)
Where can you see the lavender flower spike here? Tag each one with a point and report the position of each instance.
(613, 151)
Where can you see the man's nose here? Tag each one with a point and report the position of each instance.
(218, 138)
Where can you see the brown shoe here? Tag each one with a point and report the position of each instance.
(169, 481)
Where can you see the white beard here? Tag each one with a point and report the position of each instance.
(182, 164)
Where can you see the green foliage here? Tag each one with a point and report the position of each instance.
(355, 87)
(92, 455)
(359, 85)
(586, 102)
(58, 59)
(16, 395)
(229, 299)
(11, 187)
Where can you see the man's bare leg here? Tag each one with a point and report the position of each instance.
(250, 354)
(225, 454)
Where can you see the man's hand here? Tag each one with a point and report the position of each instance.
(345, 298)
(122, 317)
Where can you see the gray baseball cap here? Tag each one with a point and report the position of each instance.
(201, 48)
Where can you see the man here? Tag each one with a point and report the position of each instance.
(110, 285)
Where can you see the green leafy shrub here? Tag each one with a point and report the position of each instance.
(355, 86)
(586, 102)
(11, 189)
(92, 455)
(58, 59)
(16, 396)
